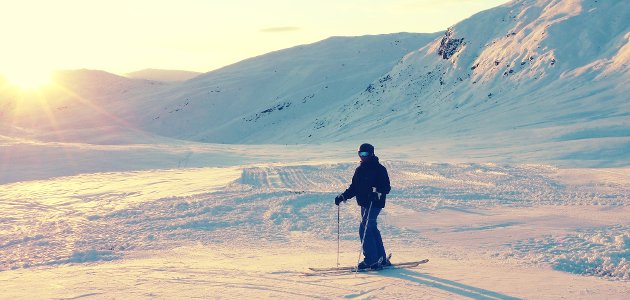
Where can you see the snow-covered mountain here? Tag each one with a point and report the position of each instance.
(83, 106)
(525, 72)
(527, 76)
(211, 107)
(256, 99)
(163, 75)
(525, 65)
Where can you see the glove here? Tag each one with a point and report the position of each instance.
(339, 198)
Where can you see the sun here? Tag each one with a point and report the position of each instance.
(29, 79)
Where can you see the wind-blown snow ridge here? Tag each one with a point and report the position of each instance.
(603, 252)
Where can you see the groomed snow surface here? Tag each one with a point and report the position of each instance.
(251, 231)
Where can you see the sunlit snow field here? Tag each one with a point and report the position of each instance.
(252, 230)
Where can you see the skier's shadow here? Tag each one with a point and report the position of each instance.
(446, 285)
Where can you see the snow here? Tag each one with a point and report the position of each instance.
(506, 138)
(249, 231)
(163, 75)
(201, 272)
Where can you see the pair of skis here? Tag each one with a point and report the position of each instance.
(346, 270)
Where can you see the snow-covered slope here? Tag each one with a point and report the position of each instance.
(528, 67)
(163, 75)
(545, 73)
(225, 105)
(82, 106)
(255, 100)
(523, 78)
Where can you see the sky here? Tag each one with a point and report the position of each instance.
(122, 36)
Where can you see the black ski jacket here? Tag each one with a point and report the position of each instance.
(368, 175)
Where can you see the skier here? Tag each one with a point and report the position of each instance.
(370, 184)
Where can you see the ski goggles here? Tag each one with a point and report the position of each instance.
(364, 154)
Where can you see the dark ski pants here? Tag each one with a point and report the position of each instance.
(373, 248)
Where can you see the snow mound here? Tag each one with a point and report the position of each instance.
(603, 252)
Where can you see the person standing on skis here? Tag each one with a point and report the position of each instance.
(370, 185)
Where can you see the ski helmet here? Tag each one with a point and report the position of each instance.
(366, 148)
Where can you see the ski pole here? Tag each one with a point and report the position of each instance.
(338, 236)
(367, 221)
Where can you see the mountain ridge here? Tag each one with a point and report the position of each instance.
(315, 75)
(483, 65)
(435, 93)
(524, 74)
(163, 75)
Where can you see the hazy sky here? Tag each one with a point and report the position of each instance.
(121, 36)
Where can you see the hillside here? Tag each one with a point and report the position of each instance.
(525, 73)
(524, 81)
(88, 106)
(240, 102)
(163, 75)
(527, 66)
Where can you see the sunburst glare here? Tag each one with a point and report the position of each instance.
(29, 79)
